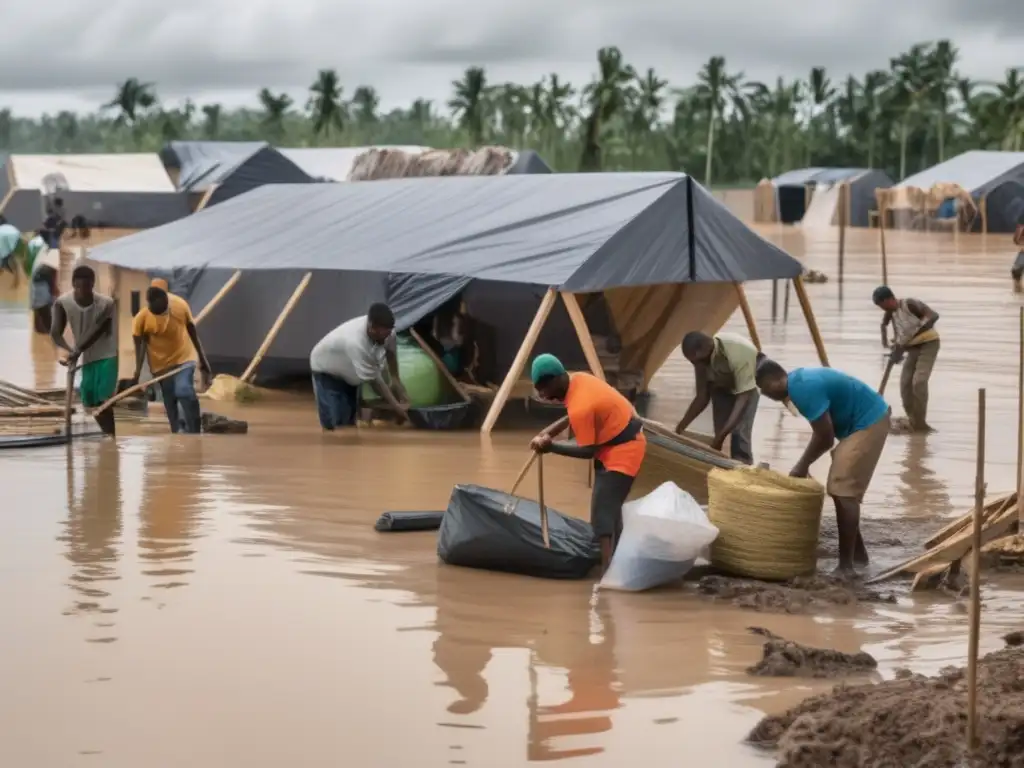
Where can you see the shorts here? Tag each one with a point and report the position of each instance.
(855, 458)
(610, 491)
(337, 401)
(99, 382)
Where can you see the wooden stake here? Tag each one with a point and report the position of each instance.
(812, 323)
(885, 376)
(741, 294)
(885, 258)
(276, 327)
(136, 388)
(540, 501)
(775, 300)
(579, 322)
(972, 648)
(68, 396)
(459, 390)
(984, 215)
(218, 296)
(843, 194)
(519, 363)
(1020, 421)
(785, 304)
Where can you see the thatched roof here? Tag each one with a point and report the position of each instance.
(376, 164)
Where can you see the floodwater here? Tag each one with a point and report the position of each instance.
(225, 601)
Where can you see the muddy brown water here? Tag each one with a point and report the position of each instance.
(225, 601)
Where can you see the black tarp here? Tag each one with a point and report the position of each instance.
(478, 532)
(126, 210)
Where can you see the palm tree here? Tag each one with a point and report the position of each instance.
(873, 91)
(714, 85)
(469, 104)
(421, 113)
(324, 106)
(6, 128)
(1008, 110)
(133, 98)
(820, 96)
(941, 65)
(911, 86)
(511, 109)
(365, 102)
(607, 99)
(211, 120)
(275, 109)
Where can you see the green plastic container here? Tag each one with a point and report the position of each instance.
(422, 380)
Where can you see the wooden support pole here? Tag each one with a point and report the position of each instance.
(218, 296)
(276, 327)
(972, 646)
(540, 501)
(579, 322)
(136, 388)
(984, 215)
(748, 316)
(459, 390)
(1020, 422)
(68, 396)
(843, 201)
(775, 300)
(519, 363)
(812, 323)
(885, 258)
(785, 304)
(205, 199)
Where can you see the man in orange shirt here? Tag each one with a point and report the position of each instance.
(607, 430)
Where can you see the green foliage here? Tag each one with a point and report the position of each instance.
(725, 128)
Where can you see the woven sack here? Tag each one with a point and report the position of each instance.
(768, 523)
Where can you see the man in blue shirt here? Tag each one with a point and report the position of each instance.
(844, 409)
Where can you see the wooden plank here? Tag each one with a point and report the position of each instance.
(579, 322)
(136, 388)
(997, 504)
(748, 315)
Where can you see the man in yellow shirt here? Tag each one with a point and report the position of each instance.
(165, 333)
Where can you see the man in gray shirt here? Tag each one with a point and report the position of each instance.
(356, 352)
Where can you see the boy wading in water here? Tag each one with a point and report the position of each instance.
(839, 407)
(915, 337)
(94, 329)
(607, 430)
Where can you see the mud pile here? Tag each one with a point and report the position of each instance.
(801, 595)
(784, 658)
(912, 721)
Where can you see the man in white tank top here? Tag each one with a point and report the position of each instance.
(915, 337)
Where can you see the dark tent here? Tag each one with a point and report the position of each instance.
(215, 171)
(657, 254)
(790, 196)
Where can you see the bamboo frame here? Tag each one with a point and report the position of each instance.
(459, 390)
(844, 218)
(579, 322)
(519, 363)
(983, 209)
(276, 327)
(812, 322)
(205, 198)
(218, 296)
(975, 626)
(1020, 422)
(748, 315)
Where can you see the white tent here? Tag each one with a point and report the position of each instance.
(92, 173)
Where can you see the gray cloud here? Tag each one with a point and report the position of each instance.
(227, 49)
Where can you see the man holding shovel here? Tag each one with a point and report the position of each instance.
(915, 338)
(94, 330)
(607, 431)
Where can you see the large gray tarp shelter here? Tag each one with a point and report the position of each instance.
(997, 176)
(416, 243)
(791, 191)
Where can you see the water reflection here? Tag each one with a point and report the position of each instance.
(922, 491)
(92, 531)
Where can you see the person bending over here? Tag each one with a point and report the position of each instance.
(356, 352)
(839, 408)
(607, 431)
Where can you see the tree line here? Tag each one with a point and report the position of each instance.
(724, 129)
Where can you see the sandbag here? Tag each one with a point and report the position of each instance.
(768, 523)
(477, 532)
(409, 521)
(663, 533)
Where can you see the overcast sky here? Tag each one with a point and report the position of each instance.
(225, 50)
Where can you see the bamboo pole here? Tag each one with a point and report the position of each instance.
(972, 649)
(748, 316)
(218, 296)
(885, 258)
(775, 300)
(68, 397)
(579, 322)
(984, 215)
(205, 199)
(812, 323)
(540, 501)
(885, 376)
(137, 388)
(843, 196)
(785, 304)
(1020, 422)
(459, 389)
(519, 363)
(276, 327)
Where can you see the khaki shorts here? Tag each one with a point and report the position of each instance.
(855, 458)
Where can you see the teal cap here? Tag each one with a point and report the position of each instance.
(545, 365)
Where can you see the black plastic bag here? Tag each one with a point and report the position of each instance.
(409, 521)
(453, 416)
(477, 532)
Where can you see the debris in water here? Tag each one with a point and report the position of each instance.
(915, 720)
(799, 595)
(784, 658)
(1014, 639)
(814, 276)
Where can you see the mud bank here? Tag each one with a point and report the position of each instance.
(784, 658)
(800, 595)
(911, 721)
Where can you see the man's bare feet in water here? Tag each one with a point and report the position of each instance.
(844, 572)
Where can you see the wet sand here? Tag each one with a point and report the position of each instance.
(225, 601)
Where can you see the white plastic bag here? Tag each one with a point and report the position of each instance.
(663, 533)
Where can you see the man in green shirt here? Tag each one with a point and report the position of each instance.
(725, 366)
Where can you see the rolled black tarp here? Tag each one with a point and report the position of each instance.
(409, 521)
(477, 532)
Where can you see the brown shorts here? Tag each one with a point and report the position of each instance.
(855, 458)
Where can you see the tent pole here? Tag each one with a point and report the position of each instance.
(843, 200)
(812, 323)
(572, 306)
(984, 215)
(775, 300)
(205, 198)
(276, 327)
(459, 390)
(218, 296)
(741, 294)
(519, 363)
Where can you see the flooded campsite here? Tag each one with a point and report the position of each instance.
(170, 599)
